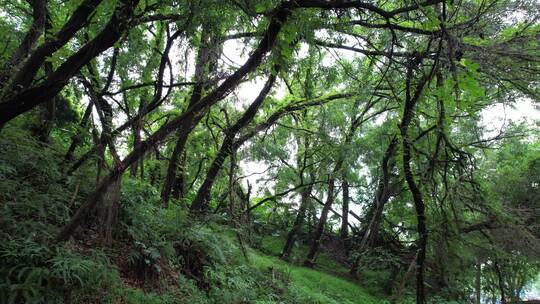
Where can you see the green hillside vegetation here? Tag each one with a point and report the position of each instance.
(148, 262)
(270, 151)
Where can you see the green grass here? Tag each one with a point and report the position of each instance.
(328, 283)
(313, 285)
(272, 245)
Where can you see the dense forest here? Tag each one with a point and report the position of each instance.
(270, 151)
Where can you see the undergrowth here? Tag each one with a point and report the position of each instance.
(159, 256)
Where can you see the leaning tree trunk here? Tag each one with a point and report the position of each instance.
(170, 178)
(382, 195)
(200, 203)
(298, 222)
(344, 232)
(39, 13)
(207, 57)
(77, 137)
(47, 110)
(182, 121)
(319, 230)
(13, 105)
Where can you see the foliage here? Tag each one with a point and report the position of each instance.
(170, 151)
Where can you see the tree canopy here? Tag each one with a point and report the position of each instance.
(352, 131)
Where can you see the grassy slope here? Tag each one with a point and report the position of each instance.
(328, 282)
(315, 285)
(34, 270)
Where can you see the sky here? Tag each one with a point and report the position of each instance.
(494, 118)
(234, 55)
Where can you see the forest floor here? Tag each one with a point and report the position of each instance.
(318, 285)
(328, 282)
(157, 256)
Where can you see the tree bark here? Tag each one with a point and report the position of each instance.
(137, 127)
(200, 203)
(108, 209)
(298, 222)
(206, 62)
(382, 195)
(47, 111)
(26, 73)
(107, 212)
(420, 216)
(319, 230)
(232, 206)
(179, 187)
(478, 283)
(39, 13)
(31, 97)
(410, 102)
(231, 82)
(170, 177)
(344, 232)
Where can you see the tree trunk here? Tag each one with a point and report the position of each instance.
(420, 216)
(232, 206)
(46, 111)
(155, 174)
(39, 13)
(179, 187)
(204, 68)
(410, 102)
(298, 222)
(310, 258)
(136, 142)
(170, 178)
(256, 58)
(199, 204)
(19, 103)
(478, 283)
(28, 70)
(500, 280)
(77, 137)
(319, 230)
(108, 212)
(382, 195)
(344, 232)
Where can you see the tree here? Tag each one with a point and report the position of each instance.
(366, 118)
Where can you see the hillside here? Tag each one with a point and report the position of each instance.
(269, 151)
